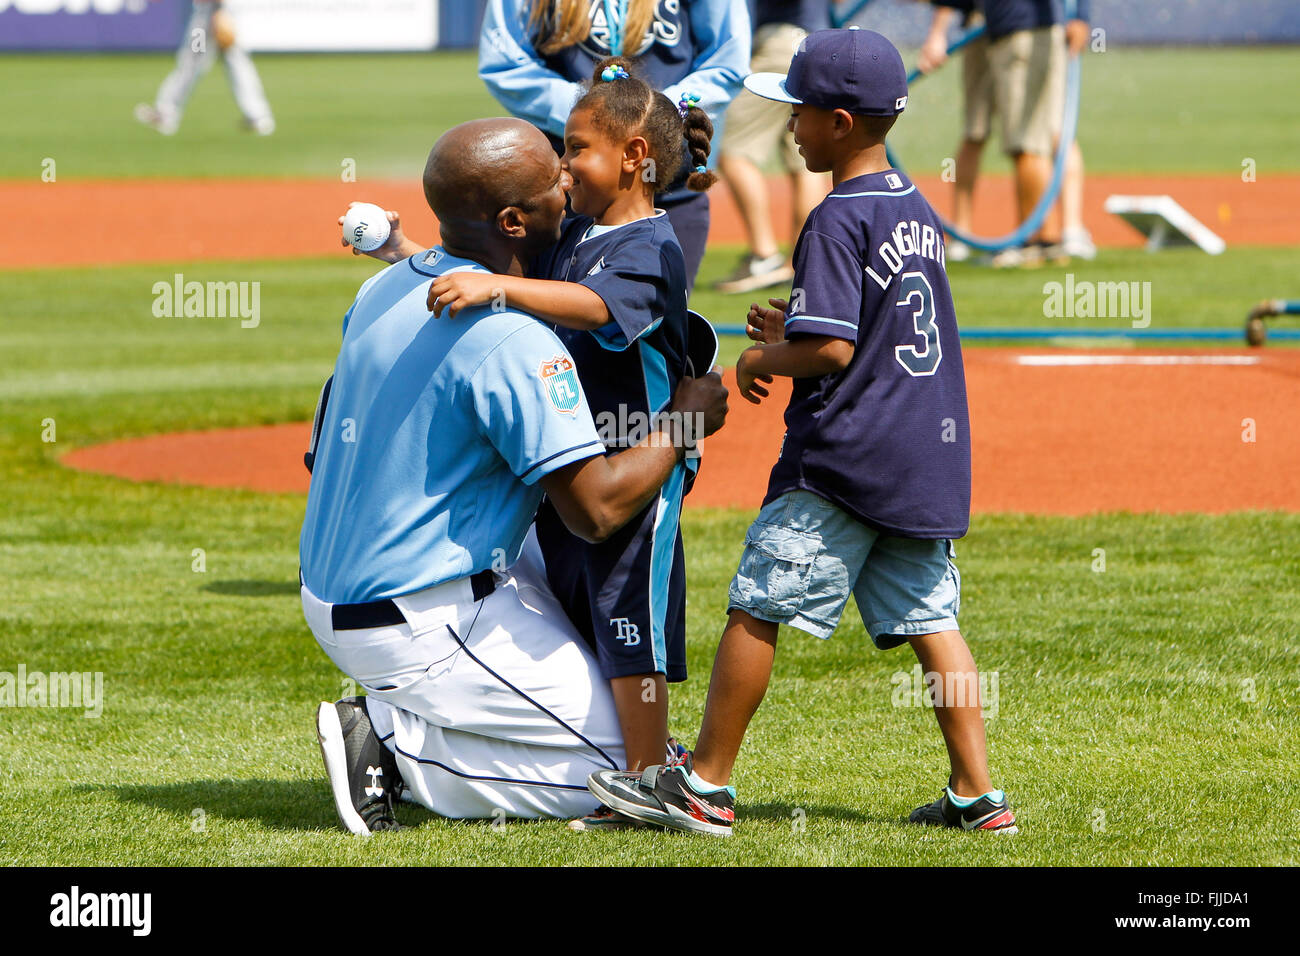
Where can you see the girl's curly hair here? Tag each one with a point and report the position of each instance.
(623, 105)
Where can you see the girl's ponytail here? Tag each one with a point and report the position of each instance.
(698, 130)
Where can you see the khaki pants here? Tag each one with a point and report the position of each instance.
(755, 126)
(1028, 80)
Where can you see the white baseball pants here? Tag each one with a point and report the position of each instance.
(494, 708)
(245, 84)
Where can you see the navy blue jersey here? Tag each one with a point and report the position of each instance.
(638, 271)
(809, 15)
(626, 595)
(887, 439)
(1008, 16)
(664, 55)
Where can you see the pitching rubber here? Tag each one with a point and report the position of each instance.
(329, 732)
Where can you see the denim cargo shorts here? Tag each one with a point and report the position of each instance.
(804, 556)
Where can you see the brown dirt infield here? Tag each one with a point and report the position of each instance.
(112, 221)
(1071, 439)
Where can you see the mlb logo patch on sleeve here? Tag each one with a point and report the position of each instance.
(894, 181)
(561, 380)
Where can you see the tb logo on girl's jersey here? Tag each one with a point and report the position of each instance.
(665, 28)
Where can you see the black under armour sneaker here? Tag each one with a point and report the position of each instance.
(993, 816)
(663, 795)
(362, 772)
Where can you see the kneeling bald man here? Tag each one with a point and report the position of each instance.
(437, 442)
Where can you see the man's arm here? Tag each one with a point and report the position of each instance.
(597, 496)
(397, 248)
(934, 51)
(1077, 30)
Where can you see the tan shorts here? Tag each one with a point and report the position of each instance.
(1028, 71)
(755, 126)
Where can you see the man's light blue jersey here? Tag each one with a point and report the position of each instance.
(434, 438)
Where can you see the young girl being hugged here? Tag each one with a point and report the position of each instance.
(535, 54)
(615, 288)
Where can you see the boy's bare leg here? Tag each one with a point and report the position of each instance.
(741, 671)
(641, 701)
(960, 720)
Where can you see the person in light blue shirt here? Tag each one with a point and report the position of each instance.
(461, 422)
(534, 56)
(435, 446)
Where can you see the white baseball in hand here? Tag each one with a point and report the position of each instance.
(366, 226)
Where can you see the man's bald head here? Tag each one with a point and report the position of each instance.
(478, 168)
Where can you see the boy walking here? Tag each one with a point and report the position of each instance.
(873, 480)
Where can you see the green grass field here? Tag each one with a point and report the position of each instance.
(1143, 110)
(1147, 715)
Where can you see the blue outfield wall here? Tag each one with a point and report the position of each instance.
(143, 25)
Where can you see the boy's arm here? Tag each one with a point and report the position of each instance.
(566, 304)
(805, 357)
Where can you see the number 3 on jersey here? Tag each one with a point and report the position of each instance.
(915, 291)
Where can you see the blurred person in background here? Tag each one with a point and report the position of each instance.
(209, 34)
(756, 127)
(1016, 71)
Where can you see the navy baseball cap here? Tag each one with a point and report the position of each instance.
(855, 70)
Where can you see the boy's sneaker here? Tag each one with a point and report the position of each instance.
(362, 772)
(605, 819)
(664, 796)
(983, 814)
(757, 272)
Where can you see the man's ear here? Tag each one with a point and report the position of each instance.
(634, 154)
(512, 222)
(842, 124)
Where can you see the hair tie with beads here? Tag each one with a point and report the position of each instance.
(612, 73)
(687, 102)
(701, 169)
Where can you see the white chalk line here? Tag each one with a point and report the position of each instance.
(1058, 360)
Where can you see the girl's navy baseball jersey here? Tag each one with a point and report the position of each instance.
(887, 439)
(626, 595)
